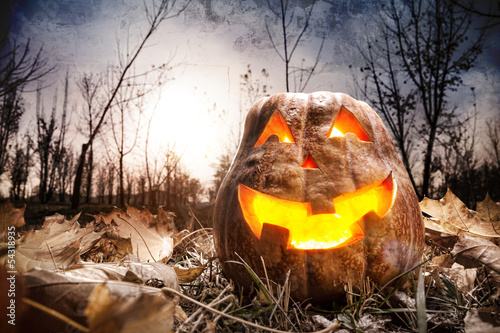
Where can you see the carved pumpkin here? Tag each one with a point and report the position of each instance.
(317, 188)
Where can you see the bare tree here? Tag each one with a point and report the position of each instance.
(221, 168)
(493, 147)
(45, 131)
(11, 110)
(66, 170)
(433, 43)
(50, 143)
(110, 168)
(156, 13)
(101, 183)
(20, 168)
(385, 88)
(285, 12)
(59, 149)
(125, 129)
(89, 86)
(19, 66)
(252, 87)
(458, 162)
(159, 173)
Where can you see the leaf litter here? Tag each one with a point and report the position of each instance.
(132, 271)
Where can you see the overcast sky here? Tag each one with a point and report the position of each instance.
(212, 44)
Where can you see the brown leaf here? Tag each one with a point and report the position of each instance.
(209, 327)
(147, 243)
(482, 320)
(435, 235)
(475, 251)
(179, 315)
(450, 215)
(189, 274)
(461, 277)
(444, 260)
(164, 222)
(148, 313)
(489, 210)
(10, 217)
(69, 296)
(142, 271)
(109, 248)
(57, 245)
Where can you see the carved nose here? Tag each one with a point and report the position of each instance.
(309, 163)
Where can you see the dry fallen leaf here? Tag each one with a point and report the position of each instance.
(148, 313)
(444, 260)
(163, 222)
(57, 245)
(143, 272)
(69, 296)
(190, 274)
(147, 243)
(450, 215)
(209, 326)
(482, 320)
(461, 277)
(10, 217)
(475, 251)
(109, 248)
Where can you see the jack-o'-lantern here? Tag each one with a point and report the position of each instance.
(317, 189)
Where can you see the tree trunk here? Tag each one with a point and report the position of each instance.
(89, 175)
(427, 162)
(122, 190)
(75, 199)
(152, 197)
(406, 163)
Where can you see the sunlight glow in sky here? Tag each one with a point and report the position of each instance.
(210, 48)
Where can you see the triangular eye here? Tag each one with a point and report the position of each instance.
(346, 122)
(276, 125)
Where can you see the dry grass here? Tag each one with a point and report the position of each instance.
(413, 303)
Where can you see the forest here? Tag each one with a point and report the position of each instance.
(441, 144)
(82, 143)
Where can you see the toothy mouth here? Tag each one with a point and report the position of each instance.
(309, 231)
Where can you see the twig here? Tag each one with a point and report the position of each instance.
(244, 322)
(55, 314)
(225, 310)
(215, 302)
(282, 293)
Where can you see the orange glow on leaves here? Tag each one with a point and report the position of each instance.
(346, 122)
(276, 125)
(320, 231)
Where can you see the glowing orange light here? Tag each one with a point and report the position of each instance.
(276, 125)
(309, 163)
(320, 231)
(346, 122)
